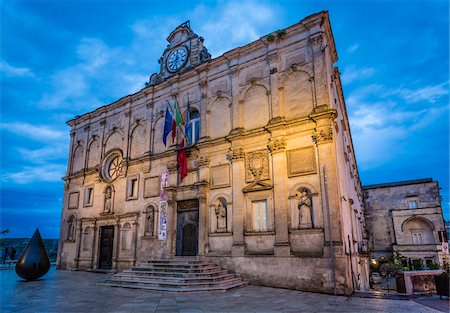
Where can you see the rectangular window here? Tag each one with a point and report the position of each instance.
(88, 196)
(133, 188)
(260, 215)
(417, 238)
(412, 204)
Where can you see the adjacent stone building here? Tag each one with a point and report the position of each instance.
(406, 217)
(272, 190)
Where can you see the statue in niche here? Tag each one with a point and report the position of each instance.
(70, 228)
(304, 209)
(108, 200)
(150, 222)
(221, 215)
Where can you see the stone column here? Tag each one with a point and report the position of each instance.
(202, 221)
(203, 106)
(96, 248)
(171, 231)
(70, 160)
(234, 77)
(135, 233)
(236, 158)
(94, 245)
(78, 242)
(116, 245)
(324, 138)
(276, 148)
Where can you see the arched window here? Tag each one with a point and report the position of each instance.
(192, 129)
(71, 228)
(126, 236)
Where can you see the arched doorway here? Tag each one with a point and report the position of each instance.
(187, 228)
(190, 240)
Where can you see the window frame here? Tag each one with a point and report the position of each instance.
(88, 201)
(131, 187)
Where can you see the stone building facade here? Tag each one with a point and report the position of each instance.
(272, 190)
(406, 217)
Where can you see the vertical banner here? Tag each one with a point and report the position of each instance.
(162, 233)
(163, 208)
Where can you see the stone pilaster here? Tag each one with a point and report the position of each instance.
(94, 246)
(234, 77)
(135, 239)
(202, 164)
(78, 242)
(203, 223)
(236, 158)
(277, 149)
(116, 249)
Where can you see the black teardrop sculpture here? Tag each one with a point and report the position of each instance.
(34, 262)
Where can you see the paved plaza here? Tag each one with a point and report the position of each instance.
(65, 291)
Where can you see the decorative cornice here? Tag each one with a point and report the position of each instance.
(277, 145)
(235, 155)
(323, 136)
(316, 40)
(172, 167)
(202, 161)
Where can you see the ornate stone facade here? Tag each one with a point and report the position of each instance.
(253, 199)
(405, 219)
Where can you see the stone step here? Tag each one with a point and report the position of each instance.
(178, 269)
(178, 274)
(181, 260)
(174, 279)
(178, 290)
(171, 284)
(175, 265)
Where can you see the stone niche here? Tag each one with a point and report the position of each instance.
(307, 242)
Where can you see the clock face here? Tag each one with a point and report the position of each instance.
(176, 59)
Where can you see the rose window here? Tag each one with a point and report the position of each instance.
(112, 166)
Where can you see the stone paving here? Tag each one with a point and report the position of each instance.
(65, 291)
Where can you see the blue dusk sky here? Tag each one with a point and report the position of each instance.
(60, 59)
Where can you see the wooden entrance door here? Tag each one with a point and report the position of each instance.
(190, 240)
(106, 247)
(187, 228)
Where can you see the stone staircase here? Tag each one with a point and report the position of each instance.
(176, 275)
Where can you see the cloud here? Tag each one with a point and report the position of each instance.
(233, 23)
(353, 48)
(381, 114)
(13, 71)
(45, 154)
(430, 94)
(34, 174)
(34, 132)
(353, 73)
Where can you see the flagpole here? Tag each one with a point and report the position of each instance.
(171, 112)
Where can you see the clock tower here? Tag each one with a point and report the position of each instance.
(184, 51)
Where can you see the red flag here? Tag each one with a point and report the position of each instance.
(174, 130)
(182, 160)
